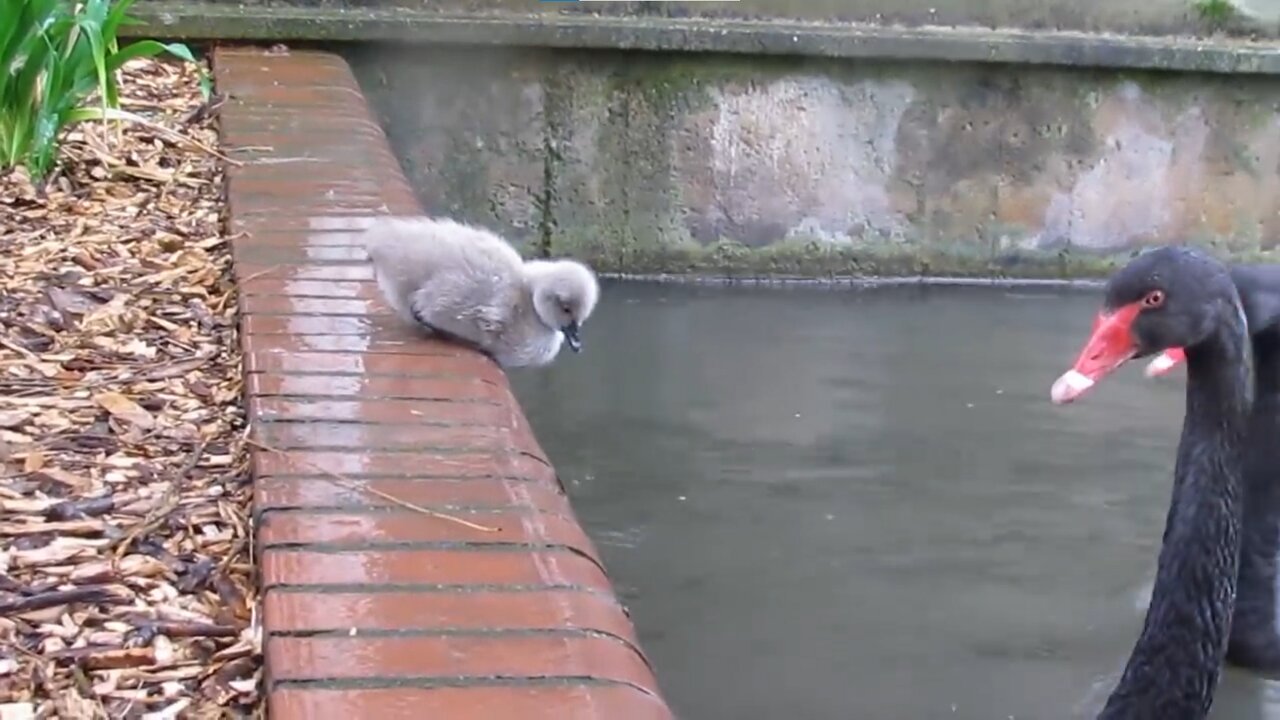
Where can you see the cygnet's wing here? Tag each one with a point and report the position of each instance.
(457, 279)
(475, 294)
(398, 248)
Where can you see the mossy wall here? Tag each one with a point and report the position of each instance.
(1153, 17)
(646, 162)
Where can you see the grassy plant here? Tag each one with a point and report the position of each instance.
(1215, 12)
(54, 55)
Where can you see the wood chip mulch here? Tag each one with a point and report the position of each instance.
(126, 580)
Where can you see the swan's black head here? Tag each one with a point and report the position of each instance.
(1168, 298)
(1259, 289)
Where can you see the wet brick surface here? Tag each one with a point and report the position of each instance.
(378, 603)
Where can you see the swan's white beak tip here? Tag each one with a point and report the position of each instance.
(1071, 385)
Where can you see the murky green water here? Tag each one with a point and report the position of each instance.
(838, 504)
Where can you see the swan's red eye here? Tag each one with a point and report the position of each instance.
(1154, 299)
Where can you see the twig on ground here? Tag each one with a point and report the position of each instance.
(351, 485)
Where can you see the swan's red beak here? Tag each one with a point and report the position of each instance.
(1165, 362)
(1109, 346)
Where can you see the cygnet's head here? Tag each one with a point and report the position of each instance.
(564, 294)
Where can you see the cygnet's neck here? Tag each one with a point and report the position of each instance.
(534, 269)
(533, 272)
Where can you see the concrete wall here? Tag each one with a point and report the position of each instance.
(648, 163)
(1116, 16)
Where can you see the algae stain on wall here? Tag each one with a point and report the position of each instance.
(799, 156)
(1171, 166)
(467, 129)
(613, 188)
(1263, 154)
(1133, 188)
(646, 163)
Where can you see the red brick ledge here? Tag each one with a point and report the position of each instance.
(373, 608)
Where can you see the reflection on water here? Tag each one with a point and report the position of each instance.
(834, 504)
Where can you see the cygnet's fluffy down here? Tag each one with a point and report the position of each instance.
(466, 283)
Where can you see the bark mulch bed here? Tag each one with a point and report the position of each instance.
(126, 579)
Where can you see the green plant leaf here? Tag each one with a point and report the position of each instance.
(54, 56)
(117, 16)
(147, 48)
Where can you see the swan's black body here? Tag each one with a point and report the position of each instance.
(1255, 638)
(1178, 297)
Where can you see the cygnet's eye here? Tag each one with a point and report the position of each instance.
(568, 311)
(1153, 299)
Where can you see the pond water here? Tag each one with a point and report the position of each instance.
(837, 503)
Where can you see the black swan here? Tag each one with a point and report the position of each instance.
(1255, 639)
(1182, 298)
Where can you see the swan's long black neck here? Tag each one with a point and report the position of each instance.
(1173, 670)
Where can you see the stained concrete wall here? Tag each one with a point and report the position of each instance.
(1158, 17)
(648, 163)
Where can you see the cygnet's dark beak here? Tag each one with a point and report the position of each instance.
(571, 336)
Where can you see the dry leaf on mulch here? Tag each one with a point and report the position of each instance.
(126, 588)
